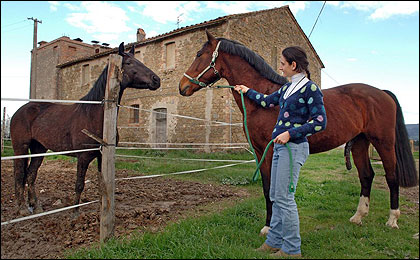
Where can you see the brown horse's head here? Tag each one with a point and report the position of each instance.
(204, 70)
(135, 73)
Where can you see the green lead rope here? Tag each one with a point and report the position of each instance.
(291, 185)
(257, 170)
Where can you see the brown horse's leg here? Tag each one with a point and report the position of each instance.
(20, 180)
(366, 174)
(387, 153)
(266, 179)
(268, 203)
(32, 172)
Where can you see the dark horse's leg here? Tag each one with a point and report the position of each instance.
(360, 153)
(83, 161)
(20, 170)
(100, 178)
(32, 172)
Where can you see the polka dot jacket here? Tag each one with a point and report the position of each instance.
(302, 113)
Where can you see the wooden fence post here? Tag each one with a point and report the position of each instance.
(108, 151)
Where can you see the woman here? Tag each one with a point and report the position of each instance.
(302, 114)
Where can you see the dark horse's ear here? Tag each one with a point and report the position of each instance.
(132, 49)
(211, 38)
(121, 49)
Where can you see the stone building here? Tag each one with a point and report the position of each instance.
(49, 55)
(169, 55)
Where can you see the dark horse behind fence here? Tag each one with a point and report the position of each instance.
(42, 126)
(357, 113)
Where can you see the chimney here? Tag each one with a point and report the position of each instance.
(41, 43)
(141, 35)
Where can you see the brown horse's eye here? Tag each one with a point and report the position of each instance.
(199, 53)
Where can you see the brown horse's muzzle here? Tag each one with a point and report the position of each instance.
(185, 88)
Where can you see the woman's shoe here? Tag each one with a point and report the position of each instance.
(264, 247)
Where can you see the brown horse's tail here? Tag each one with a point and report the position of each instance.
(405, 168)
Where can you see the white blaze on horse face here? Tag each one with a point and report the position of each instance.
(394, 214)
(362, 210)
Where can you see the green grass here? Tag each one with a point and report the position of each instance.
(327, 196)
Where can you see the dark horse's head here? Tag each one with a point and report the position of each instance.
(204, 70)
(136, 74)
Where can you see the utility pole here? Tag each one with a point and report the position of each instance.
(3, 129)
(32, 91)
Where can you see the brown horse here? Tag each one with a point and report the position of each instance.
(356, 112)
(42, 126)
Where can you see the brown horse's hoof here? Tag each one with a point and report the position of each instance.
(356, 219)
(394, 214)
(264, 231)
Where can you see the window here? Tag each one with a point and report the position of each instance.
(135, 114)
(170, 55)
(85, 74)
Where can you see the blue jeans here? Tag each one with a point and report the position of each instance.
(284, 225)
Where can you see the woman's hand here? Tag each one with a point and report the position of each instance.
(282, 138)
(244, 88)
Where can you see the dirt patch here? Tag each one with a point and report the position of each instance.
(140, 204)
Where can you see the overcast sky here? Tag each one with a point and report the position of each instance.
(376, 43)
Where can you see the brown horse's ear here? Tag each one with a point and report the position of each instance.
(211, 38)
(132, 49)
(121, 49)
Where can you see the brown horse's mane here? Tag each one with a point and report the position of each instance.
(255, 60)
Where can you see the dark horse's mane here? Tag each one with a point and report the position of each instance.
(97, 92)
(255, 60)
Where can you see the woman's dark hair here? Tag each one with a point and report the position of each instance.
(298, 55)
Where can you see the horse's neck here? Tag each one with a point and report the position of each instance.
(239, 72)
